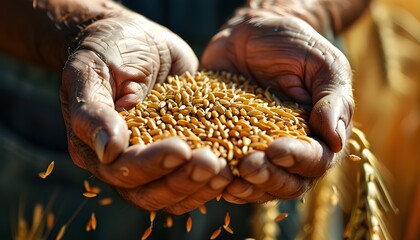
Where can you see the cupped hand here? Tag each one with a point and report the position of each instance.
(116, 62)
(298, 64)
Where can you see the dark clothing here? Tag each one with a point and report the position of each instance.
(195, 21)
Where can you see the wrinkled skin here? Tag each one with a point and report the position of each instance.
(120, 58)
(298, 64)
(116, 62)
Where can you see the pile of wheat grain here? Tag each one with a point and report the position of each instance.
(220, 110)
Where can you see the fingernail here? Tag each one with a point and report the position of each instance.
(100, 143)
(234, 200)
(259, 177)
(222, 180)
(286, 161)
(341, 132)
(200, 174)
(246, 193)
(172, 161)
(219, 183)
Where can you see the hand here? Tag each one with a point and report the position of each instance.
(298, 64)
(117, 61)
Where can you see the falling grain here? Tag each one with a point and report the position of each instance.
(228, 229)
(152, 216)
(93, 221)
(86, 185)
(61, 232)
(47, 172)
(105, 201)
(50, 220)
(227, 219)
(281, 217)
(89, 194)
(147, 233)
(216, 233)
(95, 190)
(354, 158)
(202, 209)
(169, 222)
(189, 224)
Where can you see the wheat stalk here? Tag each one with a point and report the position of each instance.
(373, 200)
(368, 211)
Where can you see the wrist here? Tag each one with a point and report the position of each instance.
(43, 31)
(317, 19)
(67, 20)
(325, 16)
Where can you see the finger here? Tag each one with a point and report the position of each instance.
(290, 87)
(210, 191)
(268, 178)
(89, 106)
(173, 188)
(141, 164)
(308, 159)
(232, 199)
(330, 118)
(211, 59)
(253, 168)
(101, 128)
(183, 57)
(284, 185)
(246, 191)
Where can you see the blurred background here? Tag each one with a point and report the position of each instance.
(383, 48)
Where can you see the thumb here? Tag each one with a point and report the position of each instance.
(88, 108)
(101, 128)
(330, 120)
(332, 91)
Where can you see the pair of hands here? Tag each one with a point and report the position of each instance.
(119, 59)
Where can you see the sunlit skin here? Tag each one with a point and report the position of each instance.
(298, 64)
(116, 56)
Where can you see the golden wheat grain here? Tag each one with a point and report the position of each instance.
(152, 216)
(105, 201)
(202, 209)
(227, 219)
(354, 158)
(86, 185)
(147, 232)
(169, 222)
(93, 221)
(216, 233)
(220, 110)
(281, 217)
(47, 172)
(50, 220)
(61, 232)
(89, 194)
(188, 224)
(228, 229)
